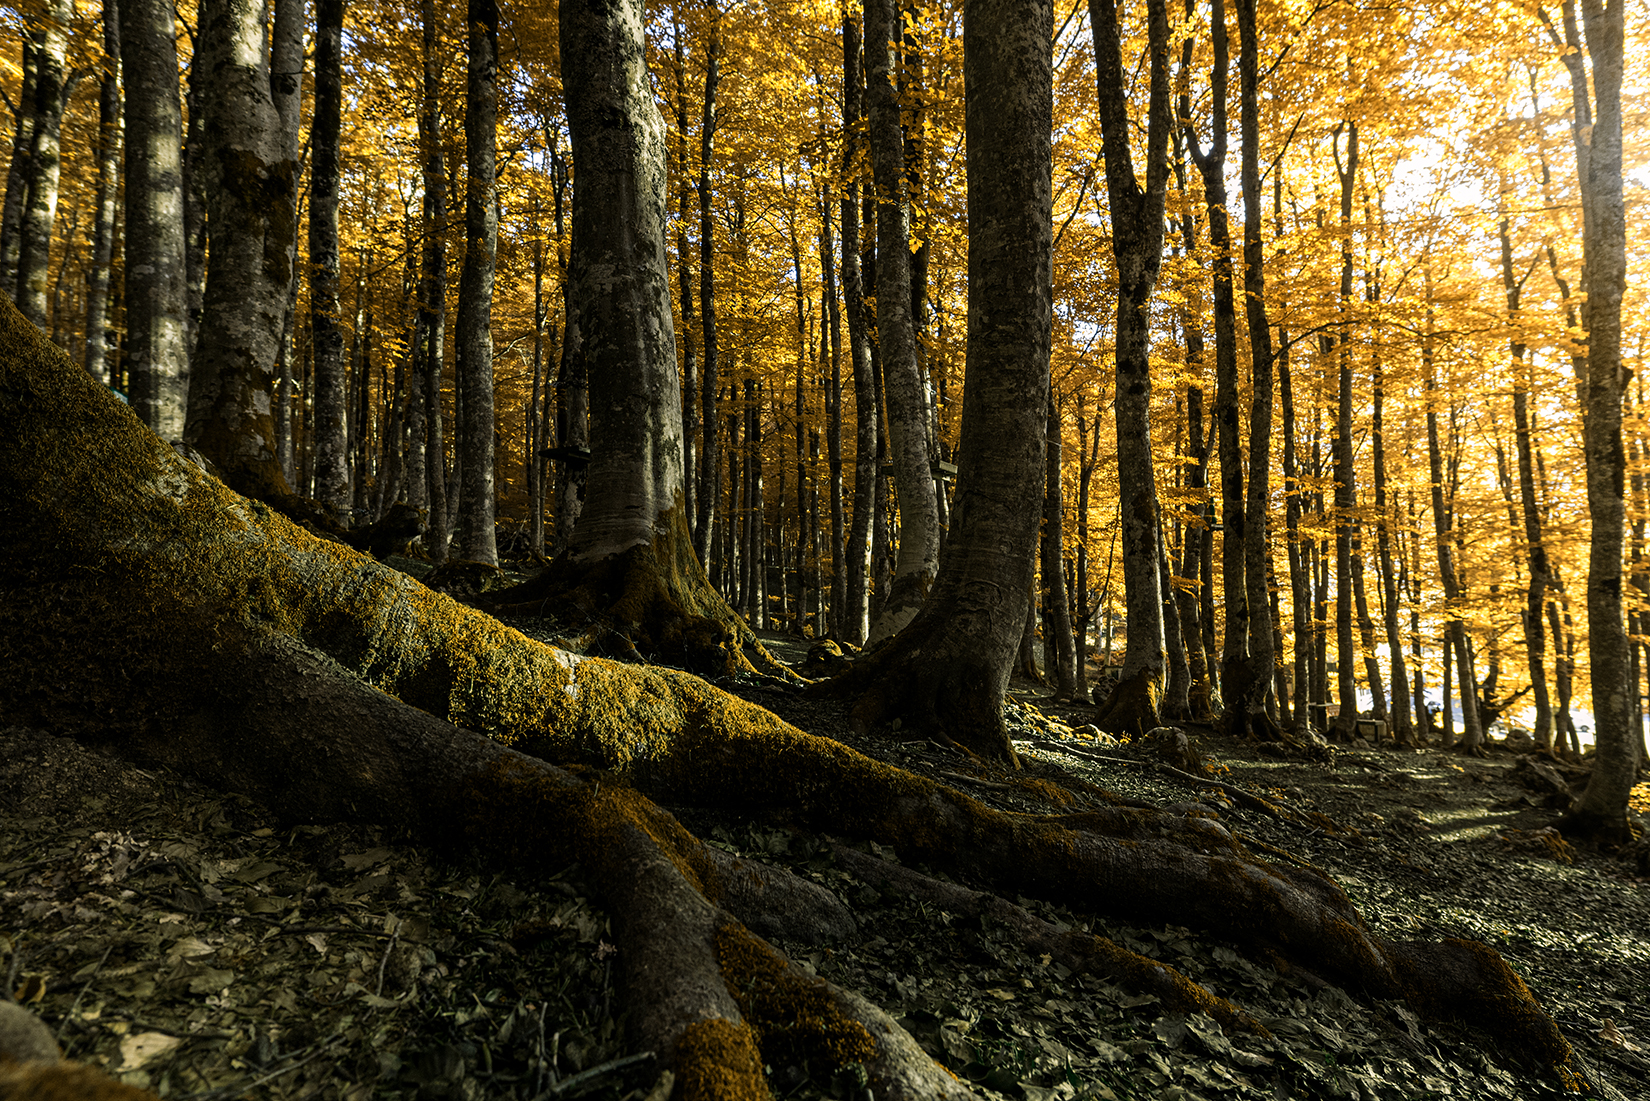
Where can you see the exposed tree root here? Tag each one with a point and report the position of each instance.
(1131, 708)
(1079, 951)
(144, 605)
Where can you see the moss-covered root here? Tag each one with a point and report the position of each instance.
(698, 984)
(1469, 980)
(1081, 952)
(1131, 708)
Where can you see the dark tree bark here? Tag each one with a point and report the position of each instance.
(18, 171)
(474, 347)
(944, 675)
(855, 619)
(101, 340)
(919, 525)
(1060, 657)
(157, 349)
(430, 344)
(328, 428)
(353, 692)
(684, 281)
(708, 491)
(250, 167)
(1346, 498)
(1137, 240)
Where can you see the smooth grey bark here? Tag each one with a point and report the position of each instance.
(329, 418)
(1602, 809)
(855, 619)
(620, 283)
(52, 88)
(708, 492)
(157, 325)
(101, 340)
(478, 540)
(1137, 237)
(249, 168)
(946, 672)
(833, 414)
(919, 531)
(685, 290)
(431, 341)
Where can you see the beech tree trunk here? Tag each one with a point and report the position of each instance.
(101, 340)
(431, 342)
(855, 618)
(52, 88)
(1060, 656)
(708, 492)
(474, 347)
(353, 693)
(250, 170)
(329, 426)
(157, 327)
(919, 525)
(1137, 240)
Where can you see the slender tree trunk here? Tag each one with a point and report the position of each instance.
(1398, 714)
(329, 432)
(684, 279)
(710, 472)
(250, 171)
(1137, 234)
(19, 173)
(896, 334)
(432, 286)
(855, 619)
(477, 534)
(1346, 496)
(832, 311)
(101, 340)
(157, 350)
(1060, 658)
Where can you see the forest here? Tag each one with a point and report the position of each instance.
(446, 419)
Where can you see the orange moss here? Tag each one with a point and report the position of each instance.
(717, 1060)
(794, 1015)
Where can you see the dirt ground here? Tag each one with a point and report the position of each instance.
(194, 944)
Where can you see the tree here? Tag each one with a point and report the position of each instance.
(100, 338)
(1137, 245)
(430, 339)
(52, 87)
(945, 673)
(157, 329)
(251, 169)
(1602, 809)
(919, 540)
(630, 553)
(352, 692)
(476, 527)
(328, 425)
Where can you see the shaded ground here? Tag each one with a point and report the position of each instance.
(189, 944)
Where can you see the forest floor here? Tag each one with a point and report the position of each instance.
(190, 943)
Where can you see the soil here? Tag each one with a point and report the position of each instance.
(193, 944)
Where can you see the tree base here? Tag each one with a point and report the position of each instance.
(1130, 710)
(1610, 831)
(651, 603)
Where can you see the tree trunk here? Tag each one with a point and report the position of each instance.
(1601, 812)
(18, 172)
(919, 532)
(837, 622)
(855, 618)
(250, 171)
(1060, 658)
(630, 556)
(1137, 236)
(228, 618)
(102, 342)
(329, 429)
(52, 88)
(476, 529)
(157, 350)
(1346, 495)
(684, 282)
(430, 346)
(945, 674)
(710, 472)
